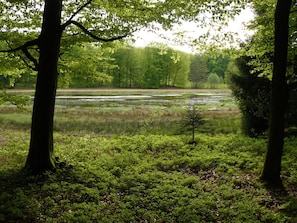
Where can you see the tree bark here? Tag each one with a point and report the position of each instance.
(40, 157)
(272, 166)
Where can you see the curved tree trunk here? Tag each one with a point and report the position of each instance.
(272, 165)
(40, 157)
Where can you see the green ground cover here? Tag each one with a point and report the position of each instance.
(136, 165)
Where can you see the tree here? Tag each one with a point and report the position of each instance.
(11, 69)
(218, 65)
(260, 47)
(272, 165)
(154, 66)
(40, 157)
(192, 120)
(85, 65)
(213, 79)
(153, 73)
(198, 70)
(38, 33)
(180, 68)
(126, 59)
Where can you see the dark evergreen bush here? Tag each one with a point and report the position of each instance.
(253, 95)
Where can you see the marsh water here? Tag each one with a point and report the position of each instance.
(207, 100)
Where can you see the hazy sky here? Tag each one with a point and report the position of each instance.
(238, 25)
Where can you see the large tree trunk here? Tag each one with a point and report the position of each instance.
(40, 157)
(272, 165)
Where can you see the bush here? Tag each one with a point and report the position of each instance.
(253, 95)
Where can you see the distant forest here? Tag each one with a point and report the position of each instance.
(124, 66)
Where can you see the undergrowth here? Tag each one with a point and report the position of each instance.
(145, 178)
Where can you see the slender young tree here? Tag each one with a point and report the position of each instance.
(272, 165)
(193, 119)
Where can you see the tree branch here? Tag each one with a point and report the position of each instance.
(78, 11)
(92, 35)
(29, 43)
(28, 65)
(86, 31)
(24, 49)
(31, 58)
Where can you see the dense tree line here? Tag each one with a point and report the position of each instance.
(126, 66)
(149, 67)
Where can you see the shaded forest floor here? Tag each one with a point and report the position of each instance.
(145, 178)
(137, 166)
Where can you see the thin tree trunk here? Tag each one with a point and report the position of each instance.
(175, 76)
(40, 157)
(272, 166)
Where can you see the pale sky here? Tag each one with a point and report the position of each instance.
(238, 25)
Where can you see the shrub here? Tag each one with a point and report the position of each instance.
(253, 95)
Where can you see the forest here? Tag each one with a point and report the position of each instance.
(122, 65)
(96, 129)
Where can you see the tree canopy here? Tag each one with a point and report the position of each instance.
(261, 45)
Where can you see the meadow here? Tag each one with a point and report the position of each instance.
(130, 161)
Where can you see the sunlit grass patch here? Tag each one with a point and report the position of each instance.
(17, 119)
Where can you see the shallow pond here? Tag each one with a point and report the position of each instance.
(212, 101)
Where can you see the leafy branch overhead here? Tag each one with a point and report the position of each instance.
(102, 21)
(25, 48)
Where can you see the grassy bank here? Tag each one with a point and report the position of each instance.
(117, 91)
(124, 121)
